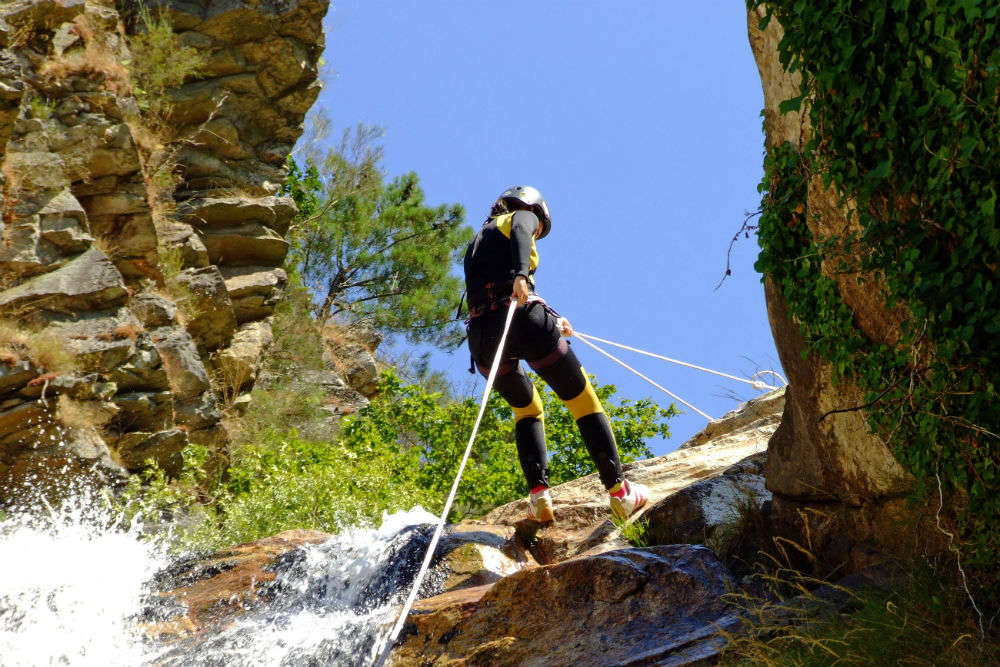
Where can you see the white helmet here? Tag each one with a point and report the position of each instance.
(531, 199)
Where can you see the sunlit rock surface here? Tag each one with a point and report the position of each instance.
(89, 229)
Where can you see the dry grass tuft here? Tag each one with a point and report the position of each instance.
(171, 264)
(44, 349)
(109, 246)
(230, 378)
(96, 61)
(923, 620)
(130, 331)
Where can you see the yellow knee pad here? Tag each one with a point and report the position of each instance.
(586, 402)
(532, 409)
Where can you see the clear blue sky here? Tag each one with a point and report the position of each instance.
(638, 121)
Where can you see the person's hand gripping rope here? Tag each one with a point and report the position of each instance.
(522, 293)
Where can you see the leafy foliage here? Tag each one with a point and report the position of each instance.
(400, 451)
(902, 97)
(159, 61)
(435, 432)
(376, 250)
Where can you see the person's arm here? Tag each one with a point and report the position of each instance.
(523, 226)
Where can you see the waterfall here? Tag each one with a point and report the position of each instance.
(72, 584)
(77, 585)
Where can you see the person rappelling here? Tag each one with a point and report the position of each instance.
(500, 264)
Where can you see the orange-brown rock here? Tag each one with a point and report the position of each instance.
(213, 591)
(661, 605)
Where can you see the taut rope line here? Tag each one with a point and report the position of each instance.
(391, 639)
(658, 386)
(757, 384)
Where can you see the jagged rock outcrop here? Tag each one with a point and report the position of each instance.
(99, 202)
(824, 465)
(350, 350)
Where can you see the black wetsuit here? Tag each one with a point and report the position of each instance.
(502, 250)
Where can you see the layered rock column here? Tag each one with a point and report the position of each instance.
(837, 487)
(85, 230)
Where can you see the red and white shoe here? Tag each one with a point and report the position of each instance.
(628, 499)
(540, 505)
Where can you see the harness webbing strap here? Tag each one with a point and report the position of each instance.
(404, 612)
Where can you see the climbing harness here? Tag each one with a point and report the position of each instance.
(387, 643)
(756, 384)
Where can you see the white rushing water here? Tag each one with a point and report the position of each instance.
(72, 582)
(75, 586)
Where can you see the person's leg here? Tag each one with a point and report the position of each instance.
(529, 430)
(537, 339)
(517, 389)
(562, 371)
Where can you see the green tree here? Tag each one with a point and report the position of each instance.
(432, 434)
(373, 249)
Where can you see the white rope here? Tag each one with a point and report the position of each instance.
(404, 612)
(660, 387)
(757, 384)
(774, 373)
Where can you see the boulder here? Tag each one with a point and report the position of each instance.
(356, 363)
(220, 212)
(212, 321)
(153, 310)
(254, 290)
(63, 223)
(88, 282)
(473, 555)
(245, 245)
(163, 447)
(660, 605)
(693, 514)
(238, 364)
(144, 411)
(184, 368)
(198, 413)
(143, 371)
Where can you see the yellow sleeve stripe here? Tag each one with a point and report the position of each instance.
(533, 409)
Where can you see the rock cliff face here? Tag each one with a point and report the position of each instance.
(828, 470)
(150, 252)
